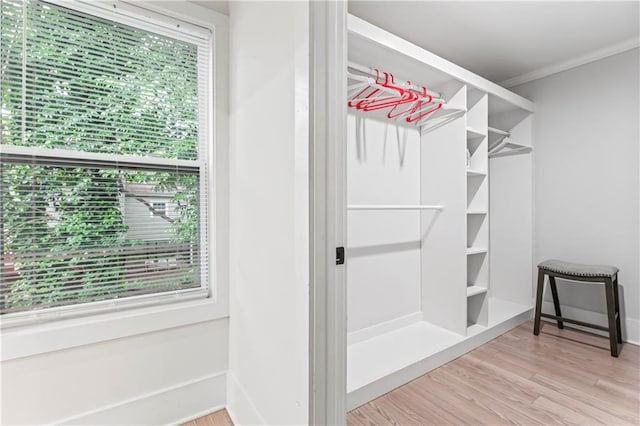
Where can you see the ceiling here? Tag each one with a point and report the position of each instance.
(510, 40)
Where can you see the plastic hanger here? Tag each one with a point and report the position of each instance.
(406, 95)
(373, 90)
(367, 91)
(422, 99)
(413, 118)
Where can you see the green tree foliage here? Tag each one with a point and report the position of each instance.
(98, 87)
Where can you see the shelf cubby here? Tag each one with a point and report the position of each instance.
(472, 290)
(475, 250)
(475, 173)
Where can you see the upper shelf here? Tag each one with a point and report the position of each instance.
(372, 46)
(493, 130)
(474, 133)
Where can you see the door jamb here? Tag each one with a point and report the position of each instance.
(328, 320)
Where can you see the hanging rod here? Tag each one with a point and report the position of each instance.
(394, 207)
(369, 72)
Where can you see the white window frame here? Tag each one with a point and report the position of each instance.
(75, 325)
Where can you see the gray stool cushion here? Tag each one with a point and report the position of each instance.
(577, 269)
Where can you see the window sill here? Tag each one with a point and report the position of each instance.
(34, 339)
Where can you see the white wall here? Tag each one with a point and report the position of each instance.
(269, 327)
(155, 378)
(383, 268)
(586, 165)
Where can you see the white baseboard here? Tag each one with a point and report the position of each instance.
(195, 416)
(630, 326)
(385, 327)
(171, 405)
(239, 406)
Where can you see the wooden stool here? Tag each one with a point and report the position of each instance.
(577, 272)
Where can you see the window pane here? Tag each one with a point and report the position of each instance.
(96, 86)
(79, 227)
(76, 234)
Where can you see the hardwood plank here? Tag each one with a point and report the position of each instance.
(568, 415)
(559, 377)
(565, 341)
(628, 413)
(453, 397)
(523, 389)
(509, 409)
(219, 418)
(559, 353)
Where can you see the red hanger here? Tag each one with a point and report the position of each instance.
(411, 119)
(416, 107)
(389, 101)
(356, 100)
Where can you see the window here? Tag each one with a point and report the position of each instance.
(159, 208)
(104, 124)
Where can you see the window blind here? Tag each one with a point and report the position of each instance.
(103, 159)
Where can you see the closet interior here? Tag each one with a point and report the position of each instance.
(439, 211)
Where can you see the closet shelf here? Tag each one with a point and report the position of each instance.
(477, 212)
(475, 250)
(498, 131)
(474, 289)
(474, 134)
(474, 173)
(394, 207)
(514, 149)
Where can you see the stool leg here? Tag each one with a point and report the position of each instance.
(556, 301)
(617, 302)
(611, 313)
(540, 289)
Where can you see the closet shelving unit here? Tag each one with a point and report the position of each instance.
(477, 225)
(427, 284)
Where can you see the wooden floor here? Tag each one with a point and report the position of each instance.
(560, 377)
(219, 418)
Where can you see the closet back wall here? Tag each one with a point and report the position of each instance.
(586, 178)
(383, 168)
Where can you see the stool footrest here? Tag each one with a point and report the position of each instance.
(572, 321)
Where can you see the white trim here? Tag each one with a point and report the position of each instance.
(382, 328)
(35, 339)
(630, 326)
(139, 17)
(240, 407)
(65, 312)
(185, 11)
(577, 61)
(327, 292)
(87, 157)
(161, 406)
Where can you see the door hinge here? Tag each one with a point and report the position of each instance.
(339, 255)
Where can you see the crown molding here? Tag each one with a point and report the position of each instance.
(572, 63)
